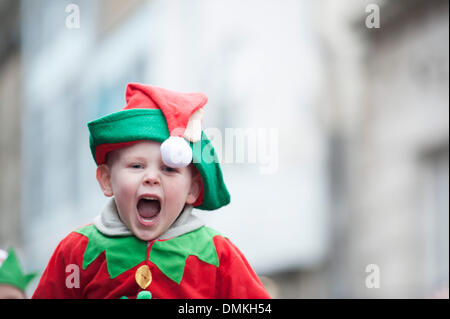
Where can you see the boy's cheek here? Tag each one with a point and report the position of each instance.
(125, 184)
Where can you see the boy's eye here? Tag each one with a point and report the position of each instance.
(136, 166)
(168, 169)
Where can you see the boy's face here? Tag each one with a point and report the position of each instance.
(134, 175)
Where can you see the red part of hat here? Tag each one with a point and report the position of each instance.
(177, 107)
(102, 150)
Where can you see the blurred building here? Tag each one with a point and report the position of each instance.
(388, 106)
(11, 109)
(360, 170)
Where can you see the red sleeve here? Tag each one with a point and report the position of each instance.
(59, 280)
(236, 278)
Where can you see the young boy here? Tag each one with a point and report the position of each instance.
(146, 243)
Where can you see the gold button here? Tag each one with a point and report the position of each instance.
(143, 276)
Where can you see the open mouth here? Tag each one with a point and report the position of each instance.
(148, 209)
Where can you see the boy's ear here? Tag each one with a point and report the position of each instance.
(104, 179)
(196, 185)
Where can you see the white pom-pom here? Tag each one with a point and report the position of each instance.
(176, 152)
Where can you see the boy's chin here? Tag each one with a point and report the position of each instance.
(146, 234)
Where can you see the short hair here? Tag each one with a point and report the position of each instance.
(111, 158)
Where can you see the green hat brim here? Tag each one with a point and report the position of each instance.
(150, 124)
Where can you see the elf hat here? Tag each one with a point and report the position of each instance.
(172, 119)
(10, 271)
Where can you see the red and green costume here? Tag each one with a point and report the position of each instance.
(198, 264)
(189, 260)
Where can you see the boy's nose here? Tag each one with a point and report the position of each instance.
(151, 179)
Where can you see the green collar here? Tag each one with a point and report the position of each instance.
(124, 253)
